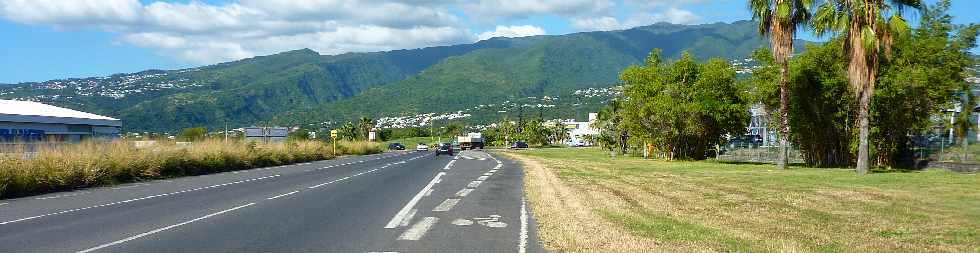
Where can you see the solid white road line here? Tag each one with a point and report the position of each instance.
(449, 165)
(419, 229)
(464, 192)
(409, 217)
(136, 199)
(282, 195)
(161, 229)
(522, 244)
(411, 203)
(3, 204)
(446, 205)
(474, 184)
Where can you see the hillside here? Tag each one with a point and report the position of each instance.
(301, 86)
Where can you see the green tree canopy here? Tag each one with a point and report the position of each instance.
(683, 107)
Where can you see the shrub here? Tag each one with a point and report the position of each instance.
(87, 164)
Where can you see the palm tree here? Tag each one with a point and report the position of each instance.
(868, 27)
(348, 131)
(778, 19)
(365, 125)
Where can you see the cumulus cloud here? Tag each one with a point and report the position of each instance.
(492, 9)
(670, 15)
(512, 31)
(210, 33)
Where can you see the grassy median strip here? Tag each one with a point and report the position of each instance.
(586, 201)
(87, 164)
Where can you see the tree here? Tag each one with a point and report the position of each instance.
(453, 129)
(922, 78)
(612, 135)
(779, 19)
(364, 126)
(821, 108)
(193, 133)
(683, 107)
(868, 27)
(348, 131)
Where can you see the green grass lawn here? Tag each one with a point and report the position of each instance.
(708, 206)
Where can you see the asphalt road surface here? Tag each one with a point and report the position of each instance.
(391, 202)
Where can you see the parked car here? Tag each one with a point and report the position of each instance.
(445, 148)
(422, 147)
(396, 146)
(519, 145)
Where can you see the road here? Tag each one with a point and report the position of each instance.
(391, 202)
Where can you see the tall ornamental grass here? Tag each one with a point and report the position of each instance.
(87, 164)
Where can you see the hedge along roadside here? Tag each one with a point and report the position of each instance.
(90, 164)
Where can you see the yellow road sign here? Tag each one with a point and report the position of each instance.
(333, 133)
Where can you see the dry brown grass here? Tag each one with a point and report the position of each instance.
(586, 202)
(89, 164)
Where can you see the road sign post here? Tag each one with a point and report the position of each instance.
(333, 134)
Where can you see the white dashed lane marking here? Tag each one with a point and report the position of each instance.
(418, 230)
(282, 195)
(474, 184)
(446, 205)
(464, 192)
(136, 199)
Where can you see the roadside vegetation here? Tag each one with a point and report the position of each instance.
(586, 201)
(88, 164)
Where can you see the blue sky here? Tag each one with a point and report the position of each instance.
(50, 39)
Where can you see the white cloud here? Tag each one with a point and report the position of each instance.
(210, 33)
(489, 10)
(670, 15)
(71, 12)
(512, 31)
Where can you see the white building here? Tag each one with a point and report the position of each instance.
(578, 130)
(25, 121)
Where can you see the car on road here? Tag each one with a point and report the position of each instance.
(422, 147)
(519, 145)
(445, 148)
(396, 146)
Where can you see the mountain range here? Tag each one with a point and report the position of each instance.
(304, 87)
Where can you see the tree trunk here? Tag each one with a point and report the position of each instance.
(863, 162)
(781, 39)
(861, 71)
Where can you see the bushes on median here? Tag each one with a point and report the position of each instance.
(88, 164)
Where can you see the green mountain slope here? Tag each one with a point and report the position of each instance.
(547, 66)
(304, 87)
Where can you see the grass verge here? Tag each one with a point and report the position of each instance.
(97, 164)
(585, 201)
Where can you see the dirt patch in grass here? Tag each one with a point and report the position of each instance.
(585, 201)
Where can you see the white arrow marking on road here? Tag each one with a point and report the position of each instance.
(393, 223)
(462, 222)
